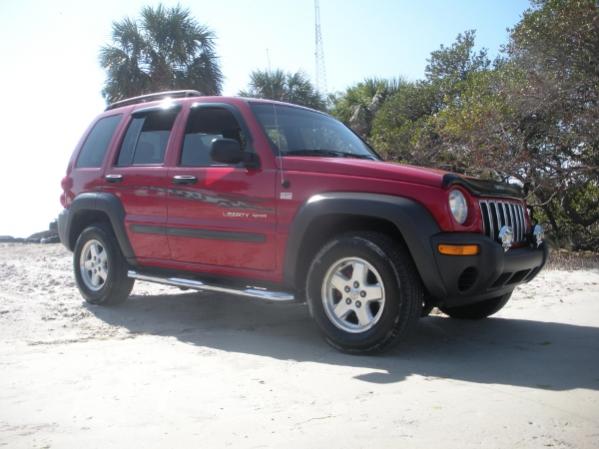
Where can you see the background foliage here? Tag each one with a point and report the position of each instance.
(165, 49)
(530, 116)
(289, 87)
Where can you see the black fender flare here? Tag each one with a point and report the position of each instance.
(412, 220)
(107, 203)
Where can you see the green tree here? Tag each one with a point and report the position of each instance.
(165, 49)
(532, 116)
(403, 129)
(535, 118)
(556, 48)
(406, 128)
(359, 104)
(556, 45)
(456, 62)
(289, 87)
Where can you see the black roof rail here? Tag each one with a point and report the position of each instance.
(154, 97)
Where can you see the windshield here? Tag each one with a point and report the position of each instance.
(301, 132)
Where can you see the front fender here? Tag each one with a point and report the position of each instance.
(412, 220)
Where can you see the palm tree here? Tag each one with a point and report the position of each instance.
(363, 94)
(164, 49)
(289, 87)
(358, 105)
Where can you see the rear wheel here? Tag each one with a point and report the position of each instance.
(363, 292)
(478, 310)
(100, 267)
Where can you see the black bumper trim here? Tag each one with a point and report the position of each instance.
(491, 273)
(63, 221)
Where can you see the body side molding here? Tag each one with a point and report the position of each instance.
(250, 237)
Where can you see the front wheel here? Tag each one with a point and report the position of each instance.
(478, 310)
(363, 292)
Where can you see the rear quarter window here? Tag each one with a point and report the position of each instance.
(94, 148)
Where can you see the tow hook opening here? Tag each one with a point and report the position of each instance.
(467, 279)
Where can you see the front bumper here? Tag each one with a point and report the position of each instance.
(489, 274)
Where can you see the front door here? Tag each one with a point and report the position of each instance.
(220, 215)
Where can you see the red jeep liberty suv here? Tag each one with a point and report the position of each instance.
(275, 201)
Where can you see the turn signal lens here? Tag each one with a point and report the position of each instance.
(458, 250)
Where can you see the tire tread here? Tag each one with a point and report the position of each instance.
(406, 275)
(121, 285)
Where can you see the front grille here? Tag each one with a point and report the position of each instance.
(496, 214)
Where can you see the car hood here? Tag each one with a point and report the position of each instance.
(366, 169)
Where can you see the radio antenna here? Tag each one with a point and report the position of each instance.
(284, 182)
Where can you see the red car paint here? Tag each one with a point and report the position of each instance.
(150, 199)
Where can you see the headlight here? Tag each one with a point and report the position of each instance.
(458, 206)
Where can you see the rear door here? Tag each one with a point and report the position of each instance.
(220, 216)
(138, 176)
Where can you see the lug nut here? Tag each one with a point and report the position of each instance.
(347, 301)
(347, 289)
(356, 284)
(363, 294)
(358, 304)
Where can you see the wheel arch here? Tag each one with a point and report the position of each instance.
(97, 207)
(326, 215)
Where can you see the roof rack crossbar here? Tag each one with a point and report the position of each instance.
(154, 97)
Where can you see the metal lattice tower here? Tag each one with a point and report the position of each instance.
(321, 73)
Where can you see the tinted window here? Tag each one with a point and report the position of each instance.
(95, 146)
(146, 138)
(203, 126)
(301, 132)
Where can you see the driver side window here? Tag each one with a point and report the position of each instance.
(203, 126)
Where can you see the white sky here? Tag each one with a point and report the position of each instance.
(51, 79)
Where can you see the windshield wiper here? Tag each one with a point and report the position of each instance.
(323, 153)
(326, 153)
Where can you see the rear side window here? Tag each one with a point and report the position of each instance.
(146, 139)
(95, 146)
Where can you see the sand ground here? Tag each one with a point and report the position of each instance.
(172, 369)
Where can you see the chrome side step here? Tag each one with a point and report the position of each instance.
(251, 292)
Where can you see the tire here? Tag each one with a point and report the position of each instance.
(100, 267)
(364, 293)
(478, 310)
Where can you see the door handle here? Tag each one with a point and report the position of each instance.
(113, 178)
(184, 179)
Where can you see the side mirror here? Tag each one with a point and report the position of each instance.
(226, 151)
